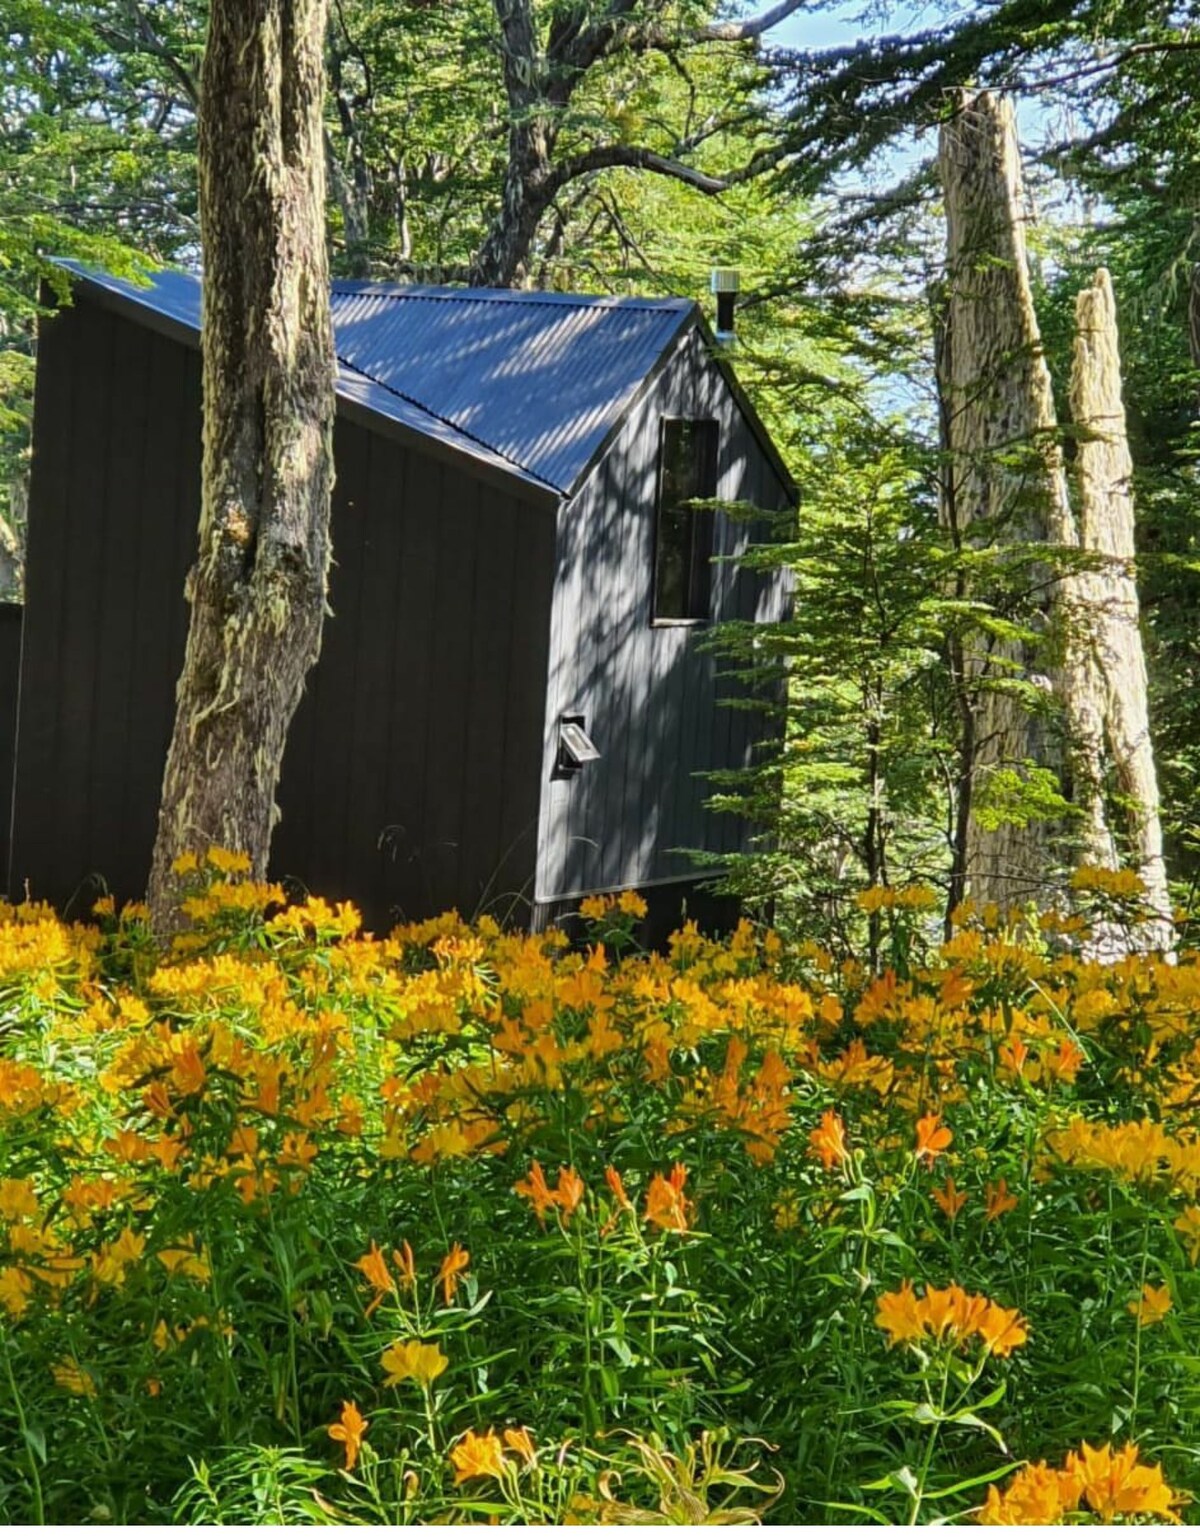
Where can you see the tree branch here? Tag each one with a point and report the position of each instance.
(605, 156)
(753, 26)
(148, 41)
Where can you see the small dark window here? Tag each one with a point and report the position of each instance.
(683, 541)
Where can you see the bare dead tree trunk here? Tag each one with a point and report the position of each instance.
(257, 591)
(1106, 516)
(1008, 488)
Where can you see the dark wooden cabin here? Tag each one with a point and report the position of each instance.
(510, 562)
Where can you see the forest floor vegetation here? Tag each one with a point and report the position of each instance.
(301, 1225)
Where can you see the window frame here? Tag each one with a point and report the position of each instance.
(703, 525)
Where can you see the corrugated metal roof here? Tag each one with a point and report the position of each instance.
(532, 382)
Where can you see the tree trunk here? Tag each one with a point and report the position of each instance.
(1105, 472)
(257, 591)
(12, 536)
(1008, 489)
(501, 260)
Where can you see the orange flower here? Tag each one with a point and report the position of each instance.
(932, 1138)
(1035, 1495)
(1002, 1330)
(534, 1188)
(666, 1205)
(297, 1149)
(520, 1442)
(477, 1454)
(949, 1314)
(453, 1263)
(405, 1266)
(1152, 1306)
(1116, 1483)
(374, 1269)
(349, 1431)
(413, 1360)
(570, 1190)
(949, 1199)
(617, 1187)
(899, 1314)
(998, 1199)
(828, 1141)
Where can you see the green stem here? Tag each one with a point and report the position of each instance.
(1137, 1335)
(39, 1511)
(930, 1445)
(430, 1423)
(589, 1406)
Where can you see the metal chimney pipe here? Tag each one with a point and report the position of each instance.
(725, 283)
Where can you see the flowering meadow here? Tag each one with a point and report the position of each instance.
(298, 1225)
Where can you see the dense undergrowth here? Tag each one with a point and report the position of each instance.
(297, 1224)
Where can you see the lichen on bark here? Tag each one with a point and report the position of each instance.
(258, 588)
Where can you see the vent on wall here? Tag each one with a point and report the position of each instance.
(575, 748)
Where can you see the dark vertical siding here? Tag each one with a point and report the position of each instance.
(651, 694)
(104, 573)
(10, 679)
(411, 779)
(426, 703)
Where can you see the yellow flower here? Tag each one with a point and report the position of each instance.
(18, 1200)
(189, 1260)
(184, 865)
(413, 1360)
(227, 861)
(70, 1377)
(633, 904)
(16, 1287)
(116, 1257)
(1188, 1225)
(477, 1454)
(1152, 1306)
(349, 1430)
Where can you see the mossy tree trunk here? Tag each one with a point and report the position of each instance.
(258, 588)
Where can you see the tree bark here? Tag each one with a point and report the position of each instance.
(258, 589)
(1104, 470)
(1008, 488)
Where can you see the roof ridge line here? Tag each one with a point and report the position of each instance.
(449, 423)
(512, 296)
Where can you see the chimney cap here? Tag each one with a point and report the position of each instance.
(725, 280)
